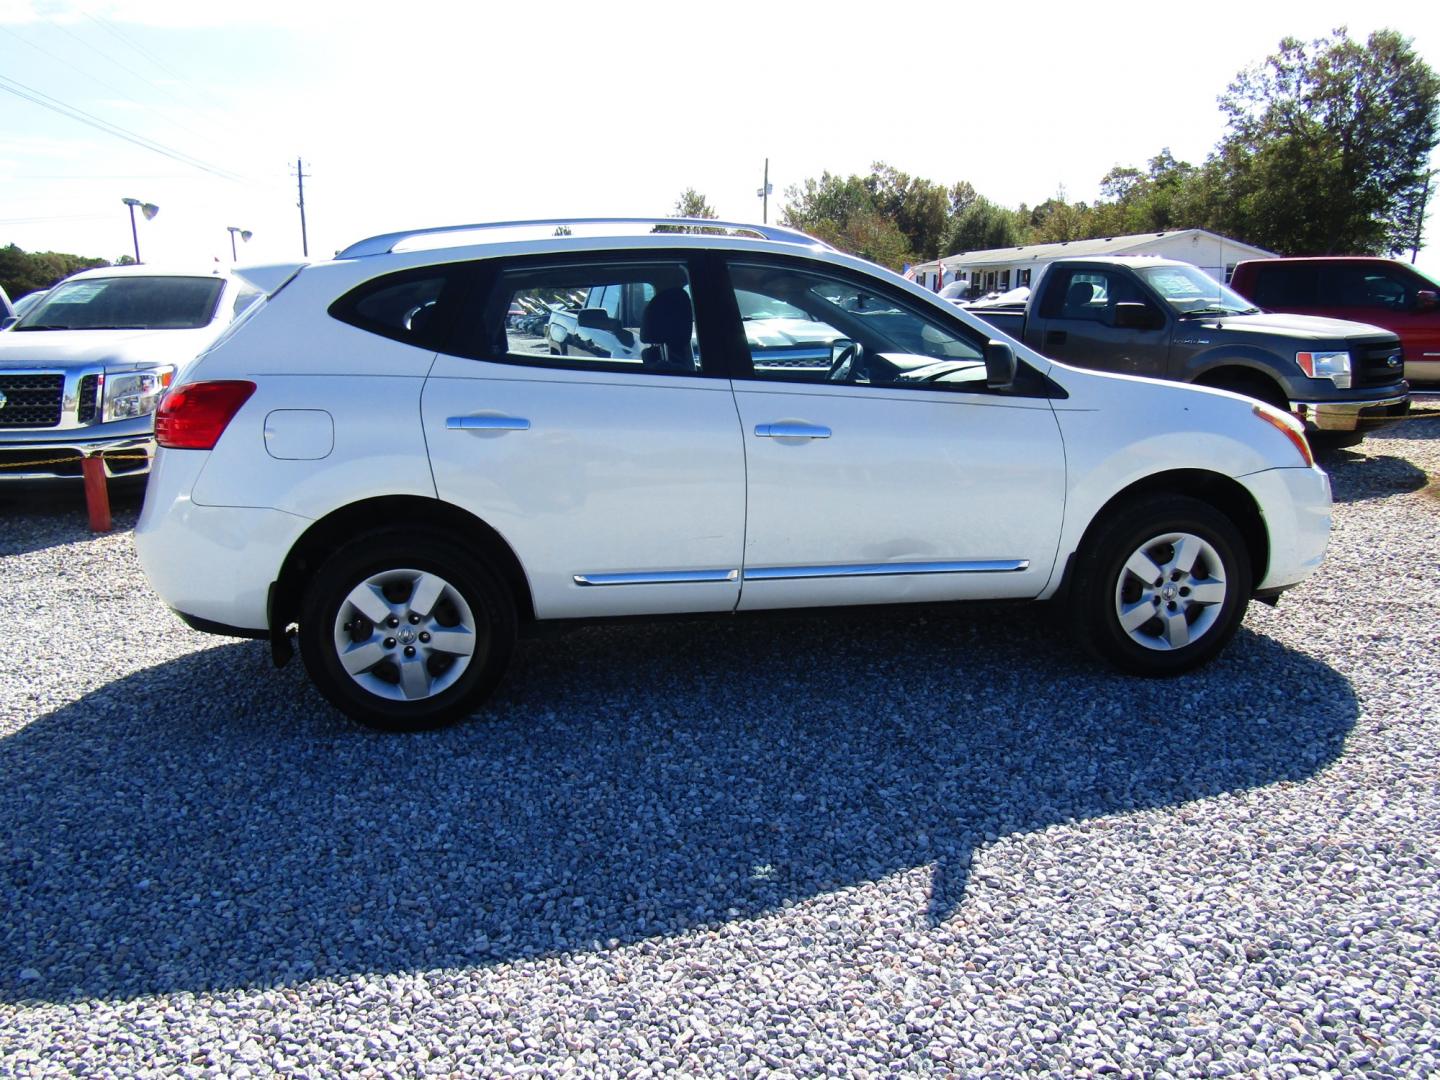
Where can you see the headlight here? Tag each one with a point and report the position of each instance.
(135, 393)
(1334, 366)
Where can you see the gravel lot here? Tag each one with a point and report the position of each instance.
(944, 845)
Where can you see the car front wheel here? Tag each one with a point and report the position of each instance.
(405, 632)
(1162, 586)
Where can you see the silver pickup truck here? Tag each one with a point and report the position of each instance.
(82, 371)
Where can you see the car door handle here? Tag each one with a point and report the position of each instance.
(487, 423)
(790, 429)
(1054, 337)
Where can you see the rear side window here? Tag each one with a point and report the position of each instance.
(419, 307)
(632, 317)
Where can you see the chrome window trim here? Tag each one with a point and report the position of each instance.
(972, 566)
(659, 577)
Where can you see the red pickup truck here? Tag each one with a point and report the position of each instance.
(1382, 292)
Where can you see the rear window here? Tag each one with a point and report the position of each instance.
(127, 303)
(415, 306)
(1281, 286)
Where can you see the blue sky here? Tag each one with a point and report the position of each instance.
(427, 113)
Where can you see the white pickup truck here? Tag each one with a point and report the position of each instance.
(82, 371)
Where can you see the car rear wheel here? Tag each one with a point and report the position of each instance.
(404, 632)
(1162, 586)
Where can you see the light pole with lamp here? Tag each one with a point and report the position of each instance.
(245, 235)
(149, 209)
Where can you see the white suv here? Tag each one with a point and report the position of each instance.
(373, 456)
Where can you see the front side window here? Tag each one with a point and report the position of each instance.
(132, 302)
(802, 326)
(623, 316)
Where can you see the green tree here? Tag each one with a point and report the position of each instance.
(692, 204)
(1328, 146)
(22, 272)
(983, 225)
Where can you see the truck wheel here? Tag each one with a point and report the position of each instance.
(404, 632)
(1252, 386)
(1162, 585)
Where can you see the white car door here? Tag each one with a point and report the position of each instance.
(893, 474)
(619, 484)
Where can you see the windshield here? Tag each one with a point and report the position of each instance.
(126, 303)
(1191, 291)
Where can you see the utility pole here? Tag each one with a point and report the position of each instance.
(764, 193)
(300, 175)
(1419, 218)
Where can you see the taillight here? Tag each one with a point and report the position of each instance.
(194, 417)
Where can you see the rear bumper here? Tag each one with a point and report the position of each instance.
(212, 563)
(1351, 415)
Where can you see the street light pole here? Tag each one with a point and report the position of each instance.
(149, 210)
(765, 189)
(245, 235)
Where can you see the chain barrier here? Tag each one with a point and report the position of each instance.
(74, 459)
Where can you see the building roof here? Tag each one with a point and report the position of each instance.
(1109, 245)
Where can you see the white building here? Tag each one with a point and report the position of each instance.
(1000, 269)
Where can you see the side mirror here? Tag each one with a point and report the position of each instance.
(8, 321)
(1132, 316)
(593, 318)
(1427, 300)
(999, 365)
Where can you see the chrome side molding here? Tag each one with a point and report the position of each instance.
(659, 577)
(973, 566)
(798, 573)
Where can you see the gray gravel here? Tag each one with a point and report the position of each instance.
(941, 845)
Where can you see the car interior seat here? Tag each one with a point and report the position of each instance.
(665, 330)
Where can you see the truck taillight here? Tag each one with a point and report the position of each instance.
(194, 417)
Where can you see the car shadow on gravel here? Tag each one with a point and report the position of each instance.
(1357, 476)
(211, 824)
(34, 519)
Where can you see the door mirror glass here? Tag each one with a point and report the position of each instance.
(1427, 300)
(999, 365)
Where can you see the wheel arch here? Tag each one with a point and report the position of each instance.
(340, 525)
(1224, 493)
(1237, 375)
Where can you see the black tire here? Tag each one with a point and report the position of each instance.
(1164, 529)
(477, 607)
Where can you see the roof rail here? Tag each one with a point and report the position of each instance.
(386, 242)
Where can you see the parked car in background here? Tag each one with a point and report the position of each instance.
(408, 496)
(1382, 292)
(81, 372)
(29, 300)
(1141, 315)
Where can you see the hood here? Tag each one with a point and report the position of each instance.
(1305, 327)
(113, 348)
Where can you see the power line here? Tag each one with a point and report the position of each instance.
(107, 85)
(107, 25)
(45, 101)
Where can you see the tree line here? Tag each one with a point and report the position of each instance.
(23, 272)
(1326, 151)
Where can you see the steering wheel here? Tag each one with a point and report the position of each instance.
(846, 365)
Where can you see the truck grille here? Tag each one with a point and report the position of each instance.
(31, 401)
(89, 399)
(1373, 366)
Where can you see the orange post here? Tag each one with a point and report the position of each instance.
(97, 495)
